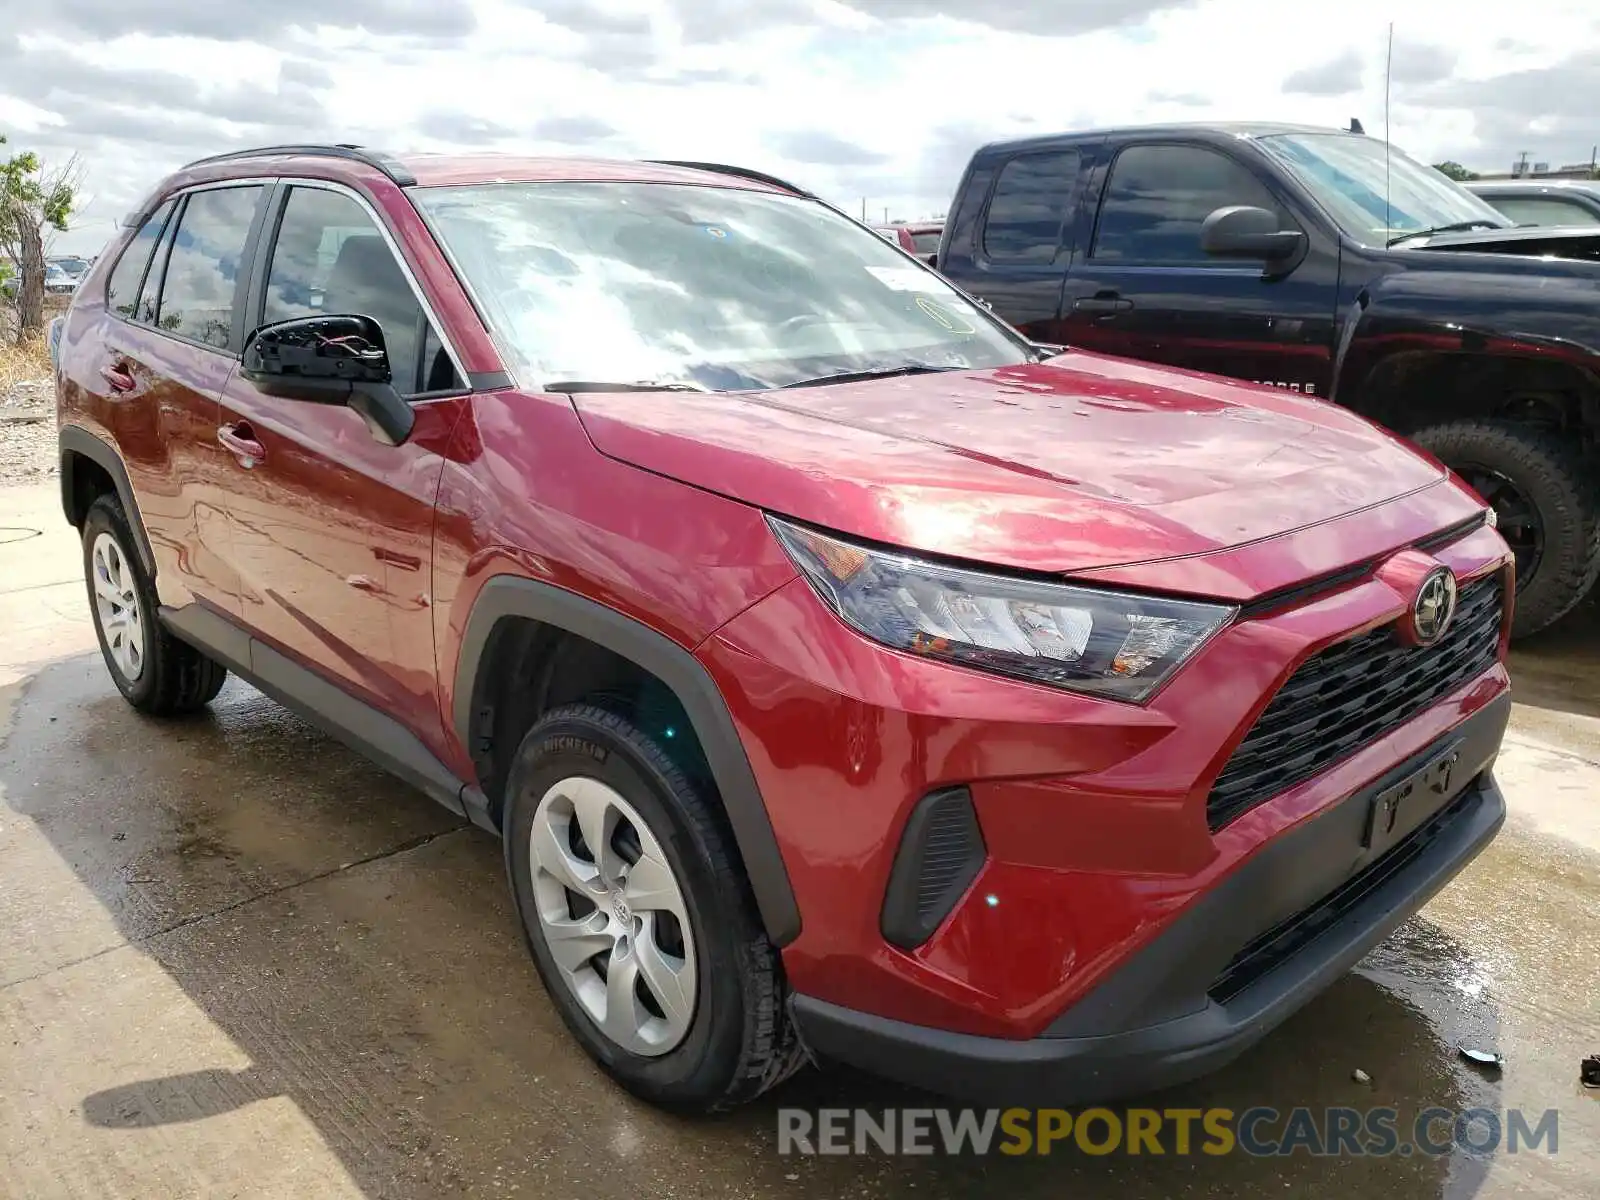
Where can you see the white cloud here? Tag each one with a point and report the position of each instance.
(875, 98)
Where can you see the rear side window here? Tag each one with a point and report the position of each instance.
(199, 292)
(925, 243)
(1030, 204)
(122, 289)
(330, 257)
(1159, 196)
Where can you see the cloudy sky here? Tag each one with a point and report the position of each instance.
(882, 99)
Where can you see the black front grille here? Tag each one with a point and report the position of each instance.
(1350, 695)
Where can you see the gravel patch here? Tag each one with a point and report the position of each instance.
(28, 448)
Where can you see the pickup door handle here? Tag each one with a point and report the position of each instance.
(1104, 302)
(239, 440)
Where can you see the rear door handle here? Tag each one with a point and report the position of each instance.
(239, 440)
(118, 377)
(1105, 302)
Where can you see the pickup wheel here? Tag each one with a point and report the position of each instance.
(154, 671)
(1546, 504)
(638, 917)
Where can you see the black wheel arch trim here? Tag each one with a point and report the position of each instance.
(1379, 311)
(513, 596)
(75, 440)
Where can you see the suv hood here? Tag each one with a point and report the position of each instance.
(1081, 462)
(1577, 241)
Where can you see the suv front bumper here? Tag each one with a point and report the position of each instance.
(1232, 966)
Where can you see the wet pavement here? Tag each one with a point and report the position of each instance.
(237, 960)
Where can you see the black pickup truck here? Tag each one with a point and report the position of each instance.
(1320, 261)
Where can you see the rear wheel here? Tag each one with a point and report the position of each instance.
(638, 916)
(154, 671)
(1546, 504)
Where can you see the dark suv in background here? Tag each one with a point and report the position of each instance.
(1320, 262)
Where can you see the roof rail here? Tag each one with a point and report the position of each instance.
(737, 172)
(394, 169)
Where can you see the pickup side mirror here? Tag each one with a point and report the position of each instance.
(1244, 231)
(330, 360)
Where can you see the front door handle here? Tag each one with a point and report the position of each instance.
(1102, 302)
(118, 377)
(239, 440)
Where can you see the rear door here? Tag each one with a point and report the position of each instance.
(1143, 287)
(332, 528)
(1025, 238)
(169, 340)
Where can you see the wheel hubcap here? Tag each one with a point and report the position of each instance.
(613, 915)
(1515, 516)
(117, 608)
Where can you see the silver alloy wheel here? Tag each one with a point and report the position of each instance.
(613, 915)
(117, 608)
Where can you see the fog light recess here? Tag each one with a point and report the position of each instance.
(941, 852)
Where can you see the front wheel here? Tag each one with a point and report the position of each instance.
(1546, 504)
(638, 916)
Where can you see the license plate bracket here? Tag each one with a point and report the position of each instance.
(1401, 807)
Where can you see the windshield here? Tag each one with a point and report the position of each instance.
(1347, 173)
(719, 288)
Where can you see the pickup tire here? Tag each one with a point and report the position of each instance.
(1547, 504)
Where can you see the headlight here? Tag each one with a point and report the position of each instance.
(1101, 642)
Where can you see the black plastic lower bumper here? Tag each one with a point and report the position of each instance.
(1237, 963)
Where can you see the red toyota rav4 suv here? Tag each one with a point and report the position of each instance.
(846, 676)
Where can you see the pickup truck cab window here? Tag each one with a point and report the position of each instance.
(1158, 196)
(1030, 204)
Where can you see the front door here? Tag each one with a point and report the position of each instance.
(332, 528)
(1145, 289)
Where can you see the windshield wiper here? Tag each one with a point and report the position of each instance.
(1453, 227)
(604, 385)
(871, 373)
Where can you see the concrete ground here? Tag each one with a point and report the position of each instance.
(238, 961)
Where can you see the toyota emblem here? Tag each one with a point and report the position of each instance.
(1435, 605)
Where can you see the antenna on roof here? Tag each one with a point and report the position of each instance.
(1355, 125)
(1388, 70)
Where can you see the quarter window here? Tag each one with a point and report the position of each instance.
(1030, 204)
(1159, 196)
(199, 292)
(330, 257)
(122, 289)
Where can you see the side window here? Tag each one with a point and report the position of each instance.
(1030, 203)
(1159, 196)
(122, 289)
(200, 286)
(1544, 210)
(329, 257)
